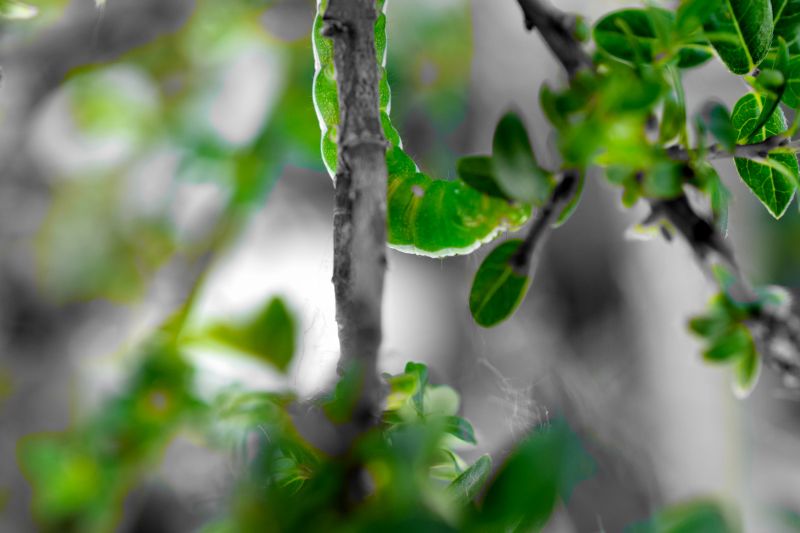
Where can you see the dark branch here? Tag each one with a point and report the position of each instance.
(360, 205)
(359, 225)
(751, 151)
(558, 31)
(528, 253)
(776, 331)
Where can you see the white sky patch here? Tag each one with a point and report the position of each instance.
(249, 89)
(287, 252)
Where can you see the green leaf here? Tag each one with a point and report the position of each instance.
(269, 335)
(627, 34)
(498, 288)
(461, 428)
(633, 35)
(729, 345)
(12, 9)
(664, 179)
(515, 167)
(786, 19)
(544, 468)
(477, 172)
(441, 400)
(770, 80)
(746, 372)
(673, 118)
(420, 371)
(572, 205)
(710, 326)
(719, 123)
(438, 218)
(467, 485)
(791, 96)
(699, 516)
(339, 404)
(692, 14)
(741, 32)
(425, 216)
(770, 185)
(720, 197)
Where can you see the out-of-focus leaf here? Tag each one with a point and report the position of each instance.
(720, 199)
(572, 205)
(746, 372)
(709, 327)
(741, 32)
(772, 187)
(791, 96)
(786, 18)
(515, 167)
(692, 14)
(66, 480)
(729, 345)
(664, 179)
(340, 403)
(477, 172)
(632, 35)
(700, 516)
(673, 118)
(467, 485)
(269, 335)
(86, 249)
(461, 428)
(498, 288)
(12, 9)
(544, 468)
(721, 127)
(118, 101)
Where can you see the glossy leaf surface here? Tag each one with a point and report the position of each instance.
(498, 288)
(773, 187)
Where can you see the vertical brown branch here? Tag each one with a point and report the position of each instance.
(360, 205)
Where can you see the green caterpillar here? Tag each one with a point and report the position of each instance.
(426, 216)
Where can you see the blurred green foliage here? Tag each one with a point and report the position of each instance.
(725, 328)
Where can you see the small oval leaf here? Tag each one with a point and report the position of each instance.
(466, 486)
(632, 35)
(269, 335)
(498, 288)
(746, 372)
(515, 167)
(460, 428)
(771, 185)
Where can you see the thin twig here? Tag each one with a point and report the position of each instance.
(751, 151)
(527, 255)
(557, 30)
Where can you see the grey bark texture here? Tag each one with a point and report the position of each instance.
(360, 199)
